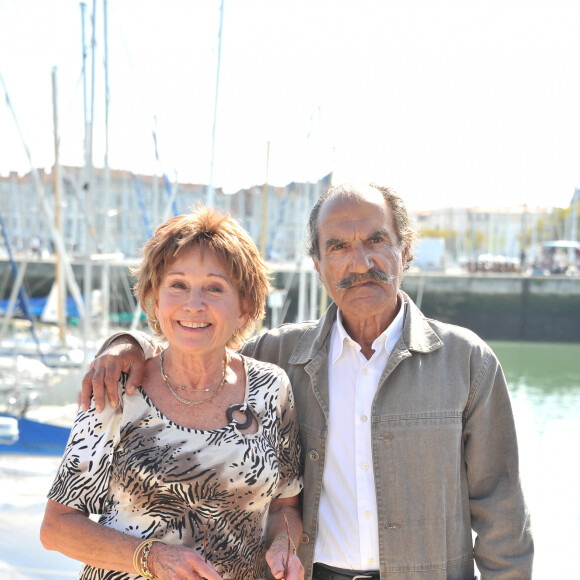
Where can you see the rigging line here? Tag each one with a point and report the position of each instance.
(38, 186)
(140, 92)
(141, 201)
(78, 83)
(70, 107)
(171, 192)
(22, 296)
(9, 104)
(210, 194)
(145, 108)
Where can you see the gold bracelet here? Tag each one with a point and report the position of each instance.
(140, 558)
(136, 554)
(289, 539)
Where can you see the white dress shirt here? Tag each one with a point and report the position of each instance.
(348, 535)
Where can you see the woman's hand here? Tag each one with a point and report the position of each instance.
(280, 564)
(169, 562)
(284, 519)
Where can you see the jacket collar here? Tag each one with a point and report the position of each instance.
(418, 336)
(315, 339)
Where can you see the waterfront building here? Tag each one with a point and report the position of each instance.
(494, 304)
(137, 204)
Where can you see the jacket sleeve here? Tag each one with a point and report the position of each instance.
(288, 448)
(146, 342)
(503, 547)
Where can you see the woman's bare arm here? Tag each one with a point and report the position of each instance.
(74, 534)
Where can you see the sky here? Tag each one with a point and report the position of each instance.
(450, 102)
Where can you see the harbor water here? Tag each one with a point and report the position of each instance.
(544, 381)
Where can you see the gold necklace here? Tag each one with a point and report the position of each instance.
(226, 362)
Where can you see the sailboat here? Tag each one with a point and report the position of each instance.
(21, 382)
(25, 359)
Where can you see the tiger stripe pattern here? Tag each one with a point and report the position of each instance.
(149, 477)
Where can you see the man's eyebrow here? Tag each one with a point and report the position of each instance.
(332, 242)
(383, 233)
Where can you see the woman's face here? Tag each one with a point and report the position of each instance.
(198, 307)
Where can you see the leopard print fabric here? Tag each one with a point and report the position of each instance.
(151, 478)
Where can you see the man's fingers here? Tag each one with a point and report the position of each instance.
(111, 383)
(102, 379)
(95, 383)
(98, 387)
(86, 389)
(135, 375)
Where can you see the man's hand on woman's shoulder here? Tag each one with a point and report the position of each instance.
(124, 354)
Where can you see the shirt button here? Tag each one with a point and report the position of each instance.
(313, 455)
(371, 561)
(365, 372)
(367, 514)
(363, 418)
(365, 465)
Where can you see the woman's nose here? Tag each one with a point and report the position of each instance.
(194, 300)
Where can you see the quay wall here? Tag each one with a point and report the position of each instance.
(502, 306)
(495, 306)
(39, 277)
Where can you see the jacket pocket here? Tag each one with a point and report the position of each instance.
(422, 489)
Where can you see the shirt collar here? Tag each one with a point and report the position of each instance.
(386, 340)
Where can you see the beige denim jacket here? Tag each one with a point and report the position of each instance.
(444, 449)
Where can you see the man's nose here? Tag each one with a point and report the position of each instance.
(362, 260)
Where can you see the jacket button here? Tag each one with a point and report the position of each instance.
(313, 455)
(304, 539)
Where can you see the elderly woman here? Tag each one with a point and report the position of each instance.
(198, 475)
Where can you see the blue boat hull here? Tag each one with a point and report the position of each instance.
(37, 438)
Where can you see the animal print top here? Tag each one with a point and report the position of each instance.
(151, 478)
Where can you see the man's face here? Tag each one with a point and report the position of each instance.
(361, 260)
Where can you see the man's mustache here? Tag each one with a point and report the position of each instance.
(373, 275)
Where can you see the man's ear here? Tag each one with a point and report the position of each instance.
(318, 269)
(316, 265)
(404, 255)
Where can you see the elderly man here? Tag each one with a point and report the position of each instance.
(406, 424)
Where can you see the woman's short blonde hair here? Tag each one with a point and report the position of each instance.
(211, 231)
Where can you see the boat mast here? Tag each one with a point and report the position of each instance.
(265, 187)
(39, 188)
(107, 179)
(57, 187)
(263, 237)
(87, 189)
(210, 196)
(89, 110)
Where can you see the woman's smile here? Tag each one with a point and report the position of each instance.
(194, 324)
